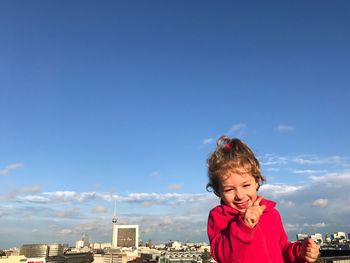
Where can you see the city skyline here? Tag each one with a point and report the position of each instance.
(123, 101)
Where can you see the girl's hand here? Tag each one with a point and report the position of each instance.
(309, 250)
(253, 213)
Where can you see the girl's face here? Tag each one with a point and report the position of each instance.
(238, 190)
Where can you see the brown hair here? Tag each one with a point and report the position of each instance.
(231, 154)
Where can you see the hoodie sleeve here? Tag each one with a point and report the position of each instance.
(290, 250)
(227, 237)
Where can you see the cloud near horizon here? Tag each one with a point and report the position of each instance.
(317, 204)
(63, 197)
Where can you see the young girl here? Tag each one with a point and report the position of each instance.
(246, 227)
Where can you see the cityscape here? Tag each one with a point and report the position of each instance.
(126, 246)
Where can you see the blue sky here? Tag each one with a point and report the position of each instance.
(124, 100)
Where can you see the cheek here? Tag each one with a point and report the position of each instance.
(227, 196)
(254, 194)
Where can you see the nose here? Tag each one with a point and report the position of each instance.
(239, 195)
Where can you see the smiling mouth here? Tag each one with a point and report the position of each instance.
(242, 205)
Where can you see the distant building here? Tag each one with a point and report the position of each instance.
(180, 257)
(174, 245)
(79, 244)
(339, 235)
(328, 238)
(13, 259)
(301, 237)
(52, 253)
(125, 236)
(41, 250)
(85, 238)
(334, 256)
(318, 238)
(100, 245)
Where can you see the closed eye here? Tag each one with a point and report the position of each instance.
(246, 185)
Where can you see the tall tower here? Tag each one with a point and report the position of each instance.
(114, 228)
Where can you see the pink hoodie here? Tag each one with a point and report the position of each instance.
(231, 240)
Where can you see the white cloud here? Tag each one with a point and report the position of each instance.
(65, 232)
(99, 209)
(316, 225)
(284, 128)
(278, 190)
(312, 159)
(319, 225)
(70, 196)
(291, 227)
(181, 216)
(207, 141)
(33, 199)
(62, 197)
(13, 193)
(270, 159)
(167, 221)
(9, 168)
(309, 171)
(91, 225)
(237, 129)
(320, 203)
(304, 159)
(68, 212)
(286, 203)
(339, 179)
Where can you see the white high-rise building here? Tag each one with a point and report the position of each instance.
(79, 244)
(339, 235)
(318, 238)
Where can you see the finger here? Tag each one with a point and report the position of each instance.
(311, 245)
(308, 259)
(262, 208)
(310, 242)
(253, 215)
(249, 222)
(312, 248)
(312, 254)
(258, 200)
